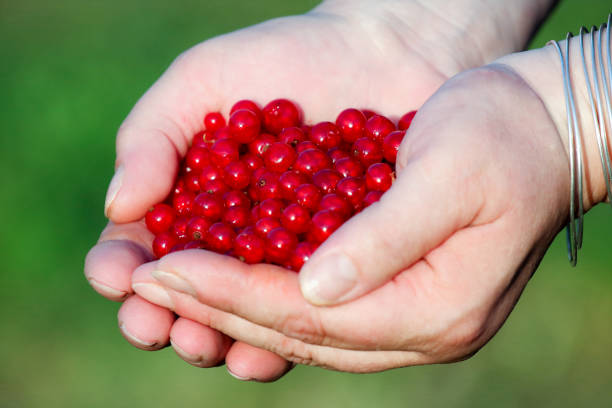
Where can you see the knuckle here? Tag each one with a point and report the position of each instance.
(305, 327)
(295, 351)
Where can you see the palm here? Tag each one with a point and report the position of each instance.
(490, 188)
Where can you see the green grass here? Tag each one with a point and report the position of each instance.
(69, 73)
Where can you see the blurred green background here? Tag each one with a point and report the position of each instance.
(70, 71)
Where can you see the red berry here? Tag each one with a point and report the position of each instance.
(268, 186)
(296, 218)
(192, 181)
(289, 181)
(200, 139)
(279, 114)
(179, 229)
(197, 228)
(379, 177)
(337, 153)
(271, 207)
(197, 158)
(220, 237)
(377, 127)
(311, 161)
(249, 247)
(368, 113)
(349, 167)
(236, 198)
(252, 161)
(259, 146)
(162, 243)
(216, 187)
(280, 244)
(324, 223)
(237, 175)
(248, 105)
(265, 225)
(224, 151)
(325, 135)
(292, 136)
(213, 121)
(352, 189)
(195, 245)
(391, 145)
(351, 123)
(159, 218)
(334, 202)
(179, 187)
(210, 172)
(209, 206)
(308, 196)
(371, 198)
(367, 151)
(406, 120)
(237, 217)
(182, 203)
(326, 180)
(222, 133)
(305, 145)
(244, 126)
(302, 253)
(279, 157)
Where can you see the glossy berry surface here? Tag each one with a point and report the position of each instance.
(244, 126)
(159, 218)
(280, 244)
(391, 144)
(351, 123)
(379, 177)
(213, 121)
(263, 187)
(406, 120)
(280, 114)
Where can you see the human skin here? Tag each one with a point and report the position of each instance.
(282, 57)
(443, 257)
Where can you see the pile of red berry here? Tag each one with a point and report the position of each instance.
(266, 188)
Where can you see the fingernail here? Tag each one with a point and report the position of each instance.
(328, 280)
(174, 281)
(135, 340)
(107, 291)
(113, 189)
(238, 377)
(188, 357)
(154, 294)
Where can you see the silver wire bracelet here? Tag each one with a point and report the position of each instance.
(602, 84)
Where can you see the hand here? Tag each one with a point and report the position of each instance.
(482, 189)
(357, 54)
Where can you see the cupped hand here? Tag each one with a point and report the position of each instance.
(482, 189)
(361, 54)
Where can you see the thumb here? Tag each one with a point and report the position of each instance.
(415, 215)
(151, 141)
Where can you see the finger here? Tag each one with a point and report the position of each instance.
(248, 363)
(417, 214)
(151, 140)
(143, 324)
(120, 250)
(197, 344)
(290, 349)
(270, 297)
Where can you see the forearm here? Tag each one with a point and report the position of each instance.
(461, 34)
(541, 69)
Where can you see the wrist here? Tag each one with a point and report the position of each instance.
(464, 33)
(541, 69)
